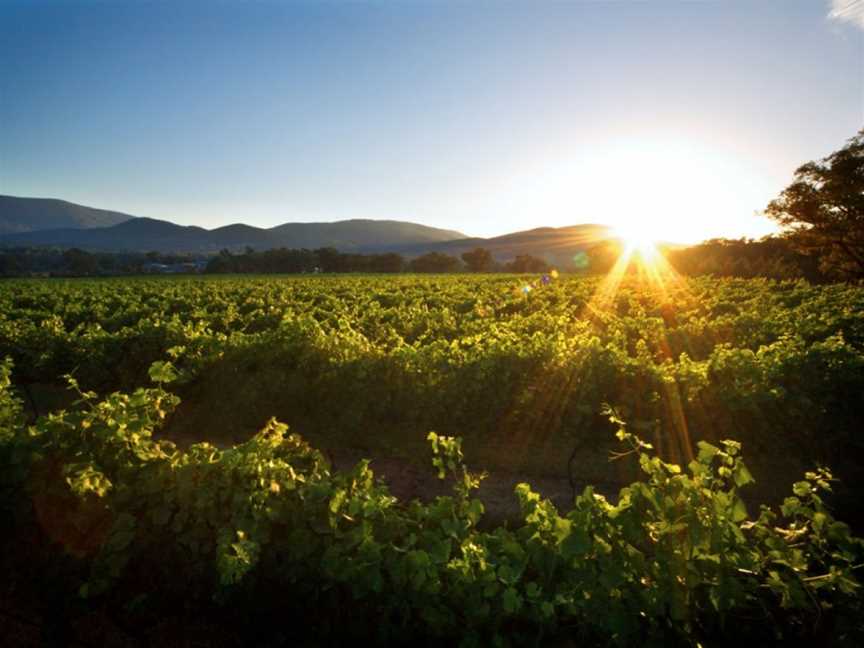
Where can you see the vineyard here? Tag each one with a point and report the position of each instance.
(168, 450)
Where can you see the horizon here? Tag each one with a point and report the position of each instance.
(682, 119)
(322, 222)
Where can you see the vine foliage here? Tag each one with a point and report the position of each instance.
(677, 559)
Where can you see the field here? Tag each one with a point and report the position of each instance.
(543, 380)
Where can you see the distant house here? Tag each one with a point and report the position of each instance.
(188, 267)
(155, 268)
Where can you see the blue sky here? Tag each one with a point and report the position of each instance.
(487, 117)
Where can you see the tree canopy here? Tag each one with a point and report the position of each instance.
(435, 262)
(823, 209)
(479, 260)
(526, 263)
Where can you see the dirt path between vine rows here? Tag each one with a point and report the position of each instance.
(407, 480)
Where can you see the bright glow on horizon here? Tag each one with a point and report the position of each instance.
(658, 188)
(637, 240)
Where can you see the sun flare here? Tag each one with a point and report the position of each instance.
(638, 241)
(665, 186)
(641, 259)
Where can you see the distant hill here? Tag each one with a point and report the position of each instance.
(126, 233)
(557, 245)
(36, 214)
(148, 234)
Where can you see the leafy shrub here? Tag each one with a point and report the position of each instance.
(676, 559)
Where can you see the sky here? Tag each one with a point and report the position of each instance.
(679, 119)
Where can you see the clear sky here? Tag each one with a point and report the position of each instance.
(683, 118)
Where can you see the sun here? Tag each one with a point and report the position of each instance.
(638, 241)
(662, 185)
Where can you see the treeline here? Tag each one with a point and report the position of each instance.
(284, 260)
(73, 262)
(24, 262)
(771, 257)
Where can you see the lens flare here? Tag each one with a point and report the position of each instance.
(638, 241)
(641, 260)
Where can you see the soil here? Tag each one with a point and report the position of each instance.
(407, 480)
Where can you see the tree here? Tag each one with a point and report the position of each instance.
(328, 259)
(478, 260)
(527, 263)
(389, 262)
(79, 262)
(823, 209)
(12, 263)
(434, 262)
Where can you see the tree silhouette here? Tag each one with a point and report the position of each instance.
(527, 263)
(79, 262)
(478, 260)
(434, 262)
(823, 209)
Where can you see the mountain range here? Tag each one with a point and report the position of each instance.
(36, 222)
(35, 214)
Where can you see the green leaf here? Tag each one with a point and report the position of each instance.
(511, 600)
(336, 500)
(742, 476)
(440, 551)
(576, 544)
(707, 452)
(475, 510)
(162, 372)
(802, 488)
(739, 510)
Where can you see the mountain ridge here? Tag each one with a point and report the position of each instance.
(143, 234)
(556, 245)
(20, 214)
